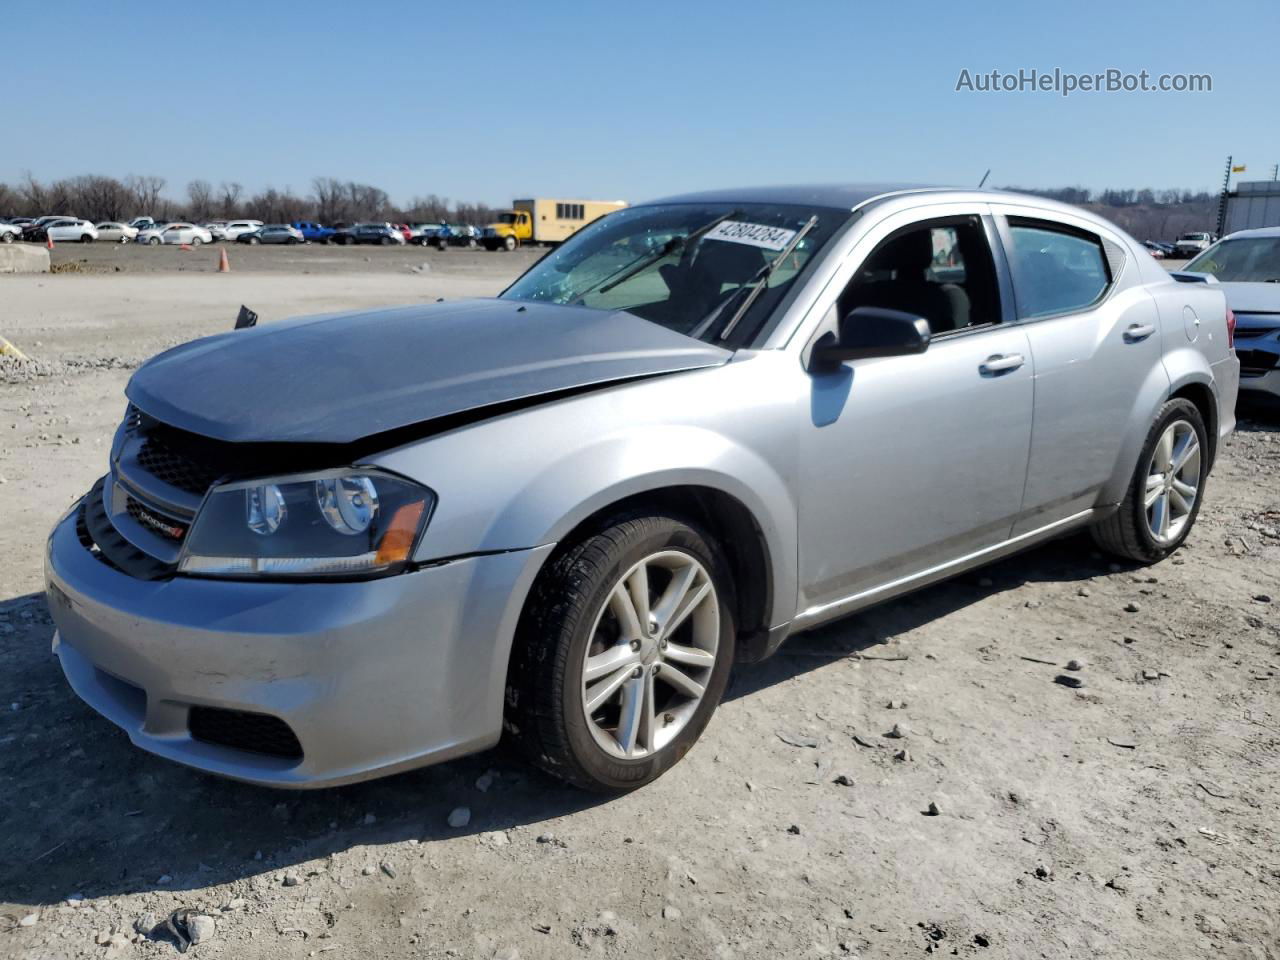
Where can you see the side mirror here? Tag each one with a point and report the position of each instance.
(871, 332)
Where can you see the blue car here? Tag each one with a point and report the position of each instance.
(313, 232)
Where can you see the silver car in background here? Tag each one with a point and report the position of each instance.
(333, 548)
(1246, 267)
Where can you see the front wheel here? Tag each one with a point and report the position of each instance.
(622, 654)
(154, 241)
(1164, 495)
(196, 241)
(510, 243)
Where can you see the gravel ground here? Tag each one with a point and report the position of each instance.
(1011, 816)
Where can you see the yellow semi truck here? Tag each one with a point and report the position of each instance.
(544, 220)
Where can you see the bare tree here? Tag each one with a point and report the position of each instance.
(146, 192)
(229, 199)
(199, 199)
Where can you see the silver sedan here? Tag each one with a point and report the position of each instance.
(334, 548)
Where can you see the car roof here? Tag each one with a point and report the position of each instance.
(1255, 232)
(839, 196)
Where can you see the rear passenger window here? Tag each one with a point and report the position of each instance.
(1056, 271)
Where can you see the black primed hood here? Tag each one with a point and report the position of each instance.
(341, 377)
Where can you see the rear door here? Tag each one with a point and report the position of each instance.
(1094, 333)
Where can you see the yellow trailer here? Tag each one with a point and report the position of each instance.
(544, 220)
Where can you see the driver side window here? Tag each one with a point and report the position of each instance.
(941, 270)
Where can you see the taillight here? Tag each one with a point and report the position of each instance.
(1231, 329)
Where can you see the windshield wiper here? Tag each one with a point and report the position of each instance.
(649, 259)
(760, 281)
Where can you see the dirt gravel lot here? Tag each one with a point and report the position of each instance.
(1134, 817)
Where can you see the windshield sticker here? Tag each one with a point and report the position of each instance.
(752, 234)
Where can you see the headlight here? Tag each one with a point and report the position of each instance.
(335, 523)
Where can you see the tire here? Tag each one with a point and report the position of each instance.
(254, 241)
(510, 243)
(196, 241)
(154, 241)
(471, 243)
(1134, 531)
(86, 238)
(570, 615)
(6, 237)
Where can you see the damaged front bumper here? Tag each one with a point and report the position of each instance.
(292, 684)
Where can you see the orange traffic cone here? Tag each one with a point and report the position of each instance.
(48, 241)
(224, 266)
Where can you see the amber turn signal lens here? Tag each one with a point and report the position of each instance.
(398, 540)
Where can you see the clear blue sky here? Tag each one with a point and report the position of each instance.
(487, 101)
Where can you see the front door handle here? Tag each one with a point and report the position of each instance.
(1137, 332)
(1001, 363)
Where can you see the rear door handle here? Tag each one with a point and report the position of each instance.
(1001, 363)
(1137, 332)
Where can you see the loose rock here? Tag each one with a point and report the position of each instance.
(201, 928)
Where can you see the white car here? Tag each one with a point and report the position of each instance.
(68, 229)
(187, 233)
(1191, 244)
(9, 232)
(237, 227)
(116, 232)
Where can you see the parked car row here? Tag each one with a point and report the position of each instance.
(1185, 247)
(155, 233)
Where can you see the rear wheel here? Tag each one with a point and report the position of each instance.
(622, 654)
(1163, 498)
(86, 238)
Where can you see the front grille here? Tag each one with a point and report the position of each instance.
(100, 537)
(157, 523)
(176, 469)
(240, 730)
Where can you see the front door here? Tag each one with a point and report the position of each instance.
(910, 462)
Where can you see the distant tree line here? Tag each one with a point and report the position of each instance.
(100, 198)
(1145, 214)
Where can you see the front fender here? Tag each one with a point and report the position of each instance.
(529, 479)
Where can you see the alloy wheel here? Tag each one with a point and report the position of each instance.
(1173, 481)
(651, 654)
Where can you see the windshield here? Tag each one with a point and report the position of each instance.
(642, 260)
(506, 218)
(1245, 259)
